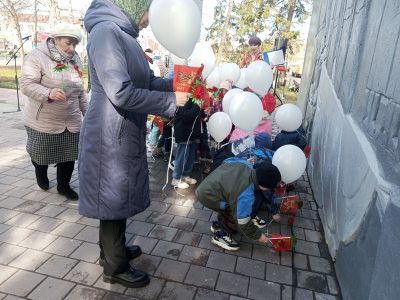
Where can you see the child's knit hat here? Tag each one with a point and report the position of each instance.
(268, 175)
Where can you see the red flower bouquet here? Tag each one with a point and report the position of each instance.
(189, 80)
(199, 91)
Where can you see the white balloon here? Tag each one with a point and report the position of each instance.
(203, 54)
(246, 111)
(177, 60)
(290, 161)
(259, 77)
(289, 117)
(226, 102)
(219, 126)
(176, 24)
(214, 79)
(155, 69)
(230, 71)
(242, 80)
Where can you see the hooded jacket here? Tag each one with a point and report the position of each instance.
(38, 78)
(113, 169)
(296, 138)
(232, 184)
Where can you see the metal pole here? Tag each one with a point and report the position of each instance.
(16, 82)
(14, 56)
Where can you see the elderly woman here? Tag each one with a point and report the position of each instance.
(113, 171)
(52, 80)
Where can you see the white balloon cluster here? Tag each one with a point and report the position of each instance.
(176, 24)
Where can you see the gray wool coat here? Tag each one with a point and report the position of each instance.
(113, 169)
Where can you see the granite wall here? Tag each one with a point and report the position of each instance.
(350, 95)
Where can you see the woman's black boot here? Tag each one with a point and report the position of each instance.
(41, 176)
(64, 174)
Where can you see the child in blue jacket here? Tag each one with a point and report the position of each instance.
(229, 190)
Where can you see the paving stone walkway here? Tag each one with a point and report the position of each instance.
(49, 251)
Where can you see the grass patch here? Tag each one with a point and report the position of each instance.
(7, 84)
(7, 77)
(289, 96)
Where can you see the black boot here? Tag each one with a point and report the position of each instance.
(64, 174)
(132, 252)
(131, 278)
(41, 176)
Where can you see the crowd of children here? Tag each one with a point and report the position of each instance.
(239, 184)
(241, 179)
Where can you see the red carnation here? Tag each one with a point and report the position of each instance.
(299, 204)
(60, 67)
(290, 222)
(199, 92)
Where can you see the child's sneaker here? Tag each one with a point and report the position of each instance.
(260, 223)
(215, 226)
(225, 241)
(179, 184)
(189, 180)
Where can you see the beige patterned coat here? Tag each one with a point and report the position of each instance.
(37, 79)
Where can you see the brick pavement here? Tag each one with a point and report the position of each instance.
(49, 251)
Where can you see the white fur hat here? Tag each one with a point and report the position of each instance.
(66, 29)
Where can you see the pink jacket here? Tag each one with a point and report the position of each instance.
(37, 79)
(264, 126)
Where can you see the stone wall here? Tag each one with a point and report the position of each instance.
(350, 95)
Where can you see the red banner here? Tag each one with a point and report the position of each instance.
(185, 77)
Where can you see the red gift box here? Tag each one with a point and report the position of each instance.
(282, 243)
(289, 205)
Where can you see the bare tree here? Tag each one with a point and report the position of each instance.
(12, 10)
(225, 29)
(55, 16)
(35, 4)
(71, 12)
